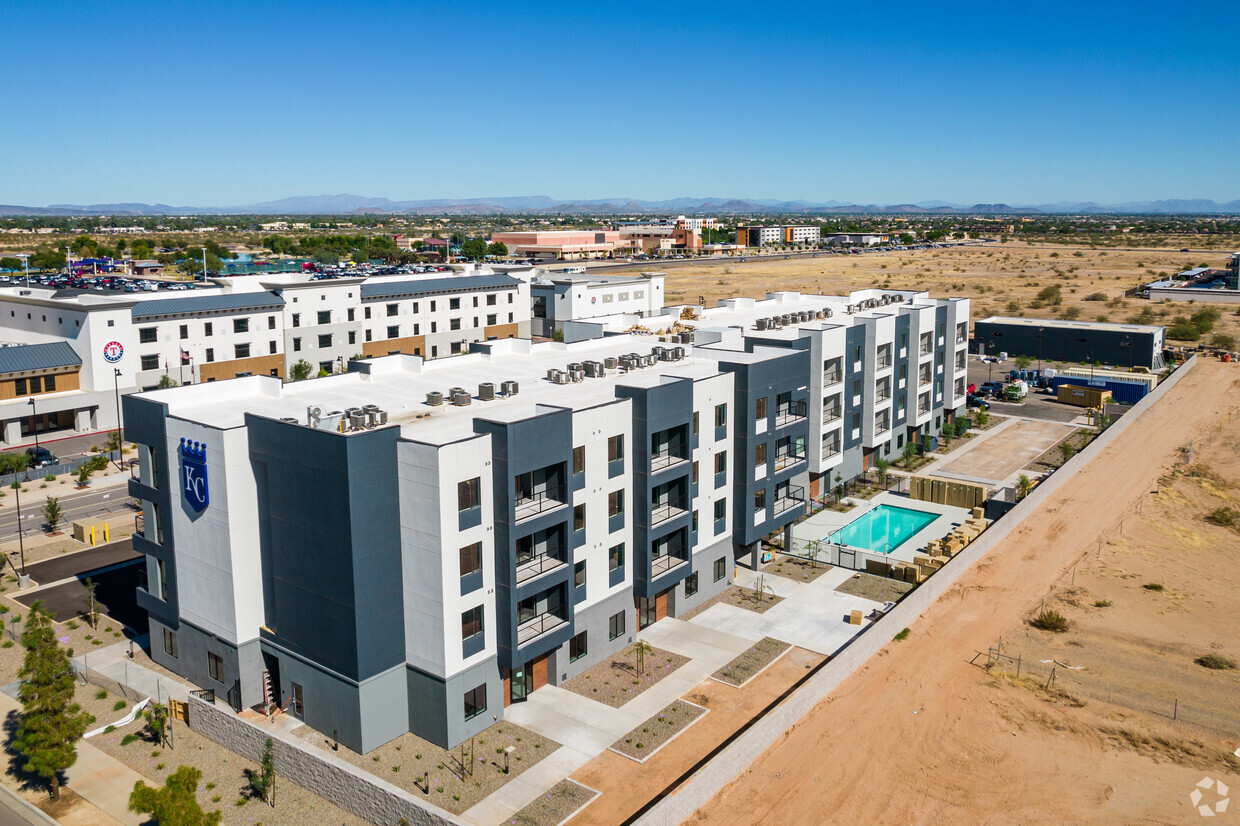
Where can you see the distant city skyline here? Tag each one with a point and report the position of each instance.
(225, 103)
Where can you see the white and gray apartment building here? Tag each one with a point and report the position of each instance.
(414, 545)
(559, 299)
(110, 345)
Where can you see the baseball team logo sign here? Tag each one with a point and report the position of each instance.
(194, 475)
(112, 351)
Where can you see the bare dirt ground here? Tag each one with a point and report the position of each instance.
(919, 735)
(1001, 279)
(1002, 454)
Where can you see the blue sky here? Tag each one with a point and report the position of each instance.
(234, 103)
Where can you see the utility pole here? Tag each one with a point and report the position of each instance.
(204, 263)
(120, 427)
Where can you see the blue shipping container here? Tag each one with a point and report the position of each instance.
(1123, 392)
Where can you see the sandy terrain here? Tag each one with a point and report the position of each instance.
(1002, 279)
(921, 736)
(1001, 454)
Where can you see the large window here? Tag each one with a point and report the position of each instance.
(468, 494)
(241, 351)
(579, 518)
(471, 623)
(721, 568)
(170, 643)
(615, 557)
(691, 584)
(475, 701)
(325, 340)
(577, 647)
(241, 325)
(393, 331)
(215, 667)
(615, 503)
(579, 460)
(471, 559)
(615, 626)
(579, 574)
(721, 415)
(147, 335)
(150, 362)
(325, 316)
(615, 448)
(393, 309)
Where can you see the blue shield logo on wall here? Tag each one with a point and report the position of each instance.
(194, 475)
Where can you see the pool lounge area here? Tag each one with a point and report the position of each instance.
(890, 527)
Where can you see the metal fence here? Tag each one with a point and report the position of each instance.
(37, 474)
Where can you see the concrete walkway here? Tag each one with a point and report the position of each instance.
(113, 662)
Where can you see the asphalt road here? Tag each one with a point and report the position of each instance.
(114, 595)
(107, 501)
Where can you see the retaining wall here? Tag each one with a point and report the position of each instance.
(731, 761)
(323, 773)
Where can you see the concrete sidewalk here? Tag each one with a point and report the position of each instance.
(113, 662)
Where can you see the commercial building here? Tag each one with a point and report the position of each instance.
(239, 327)
(1201, 284)
(855, 239)
(756, 236)
(558, 300)
(415, 544)
(569, 245)
(1045, 339)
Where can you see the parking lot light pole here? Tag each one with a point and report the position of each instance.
(25, 257)
(120, 426)
(204, 264)
(34, 424)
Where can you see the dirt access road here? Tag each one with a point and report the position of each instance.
(921, 736)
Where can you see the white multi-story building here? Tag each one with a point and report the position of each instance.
(558, 299)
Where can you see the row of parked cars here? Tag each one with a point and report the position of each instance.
(96, 283)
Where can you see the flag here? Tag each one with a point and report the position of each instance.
(185, 359)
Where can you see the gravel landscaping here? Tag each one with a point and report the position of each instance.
(615, 680)
(876, 588)
(456, 778)
(646, 739)
(555, 806)
(742, 669)
(796, 568)
(740, 597)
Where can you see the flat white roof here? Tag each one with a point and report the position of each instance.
(1073, 325)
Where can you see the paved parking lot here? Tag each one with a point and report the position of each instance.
(1037, 405)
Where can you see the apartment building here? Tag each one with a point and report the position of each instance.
(239, 327)
(755, 236)
(421, 563)
(559, 299)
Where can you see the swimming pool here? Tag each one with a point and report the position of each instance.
(882, 529)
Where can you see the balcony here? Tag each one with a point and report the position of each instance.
(529, 567)
(791, 412)
(531, 505)
(667, 458)
(883, 361)
(882, 394)
(660, 565)
(926, 350)
(832, 377)
(832, 414)
(923, 409)
(830, 451)
(786, 458)
(662, 513)
(881, 426)
(961, 339)
(794, 496)
(530, 629)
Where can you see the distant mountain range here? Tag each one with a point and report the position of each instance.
(534, 204)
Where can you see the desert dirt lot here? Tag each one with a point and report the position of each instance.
(920, 735)
(1002, 279)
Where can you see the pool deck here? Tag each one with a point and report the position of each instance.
(823, 524)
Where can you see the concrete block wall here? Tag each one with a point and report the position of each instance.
(730, 762)
(311, 768)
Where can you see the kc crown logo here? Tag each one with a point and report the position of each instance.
(194, 475)
(1220, 797)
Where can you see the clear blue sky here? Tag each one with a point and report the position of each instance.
(223, 103)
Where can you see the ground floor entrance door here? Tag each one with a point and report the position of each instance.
(522, 683)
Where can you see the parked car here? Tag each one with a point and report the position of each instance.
(990, 388)
(977, 401)
(40, 457)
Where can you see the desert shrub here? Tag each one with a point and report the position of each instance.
(1216, 662)
(1050, 620)
(1154, 586)
(1226, 516)
(1096, 297)
(903, 635)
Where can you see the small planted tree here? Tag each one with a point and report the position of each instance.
(156, 724)
(910, 450)
(52, 513)
(175, 803)
(982, 417)
(92, 611)
(1066, 450)
(301, 370)
(263, 781)
(50, 723)
(1023, 485)
(882, 467)
(640, 649)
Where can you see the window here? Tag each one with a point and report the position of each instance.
(325, 316)
(693, 479)
(353, 337)
(215, 667)
(296, 319)
(615, 503)
(49, 383)
(579, 574)
(579, 518)
(206, 328)
(19, 387)
(615, 626)
(170, 643)
(615, 557)
(369, 335)
(491, 299)
(759, 454)
(579, 459)
(691, 584)
(454, 303)
(454, 324)
(241, 325)
(467, 494)
(471, 559)
(615, 448)
(325, 340)
(210, 354)
(184, 331)
(694, 523)
(271, 322)
(721, 415)
(393, 309)
(695, 421)
(393, 331)
(471, 623)
(146, 335)
(475, 701)
(721, 509)
(475, 301)
(150, 362)
(759, 501)
(760, 414)
(365, 312)
(415, 308)
(241, 351)
(296, 345)
(350, 314)
(271, 347)
(492, 319)
(577, 647)
(721, 568)
(721, 462)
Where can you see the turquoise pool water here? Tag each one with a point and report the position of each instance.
(882, 529)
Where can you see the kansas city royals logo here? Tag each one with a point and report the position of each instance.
(194, 475)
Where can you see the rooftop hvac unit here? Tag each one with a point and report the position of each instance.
(611, 362)
(486, 391)
(827, 312)
(551, 373)
(357, 418)
(651, 360)
(678, 353)
(665, 354)
(331, 420)
(455, 391)
(314, 413)
(577, 376)
(574, 366)
(509, 388)
(462, 399)
(561, 377)
(760, 324)
(377, 417)
(289, 419)
(434, 398)
(595, 369)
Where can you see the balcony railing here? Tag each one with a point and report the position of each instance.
(534, 627)
(794, 496)
(923, 409)
(661, 513)
(536, 503)
(830, 450)
(832, 414)
(533, 566)
(666, 458)
(792, 411)
(881, 426)
(660, 565)
(927, 349)
(961, 339)
(883, 362)
(785, 459)
(832, 377)
(882, 394)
